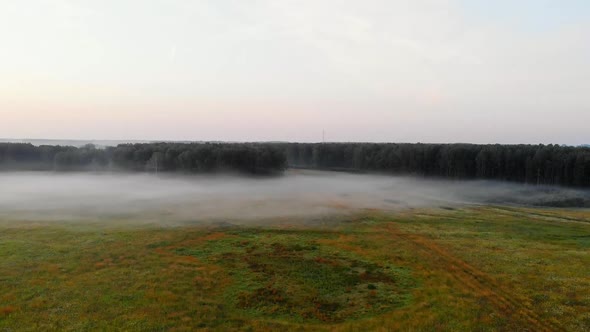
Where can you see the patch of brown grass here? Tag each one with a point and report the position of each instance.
(7, 310)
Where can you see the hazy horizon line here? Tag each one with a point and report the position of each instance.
(139, 141)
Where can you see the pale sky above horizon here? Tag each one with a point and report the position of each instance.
(274, 70)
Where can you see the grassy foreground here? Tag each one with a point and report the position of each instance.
(477, 269)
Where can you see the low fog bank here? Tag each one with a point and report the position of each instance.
(58, 196)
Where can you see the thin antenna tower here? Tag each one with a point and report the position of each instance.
(323, 136)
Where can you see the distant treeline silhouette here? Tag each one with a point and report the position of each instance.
(151, 157)
(534, 164)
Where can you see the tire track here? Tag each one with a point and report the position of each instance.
(477, 281)
(539, 216)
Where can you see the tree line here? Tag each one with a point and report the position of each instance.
(533, 164)
(151, 157)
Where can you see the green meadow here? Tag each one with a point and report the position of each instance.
(488, 268)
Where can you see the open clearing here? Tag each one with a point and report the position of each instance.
(482, 268)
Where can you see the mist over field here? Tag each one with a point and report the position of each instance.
(173, 199)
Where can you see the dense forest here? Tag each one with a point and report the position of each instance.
(533, 164)
(152, 157)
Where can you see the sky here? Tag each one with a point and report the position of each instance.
(442, 71)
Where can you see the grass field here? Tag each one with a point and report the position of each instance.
(489, 268)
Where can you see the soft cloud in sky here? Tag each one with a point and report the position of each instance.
(376, 70)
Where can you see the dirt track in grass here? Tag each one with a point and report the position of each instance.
(475, 280)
